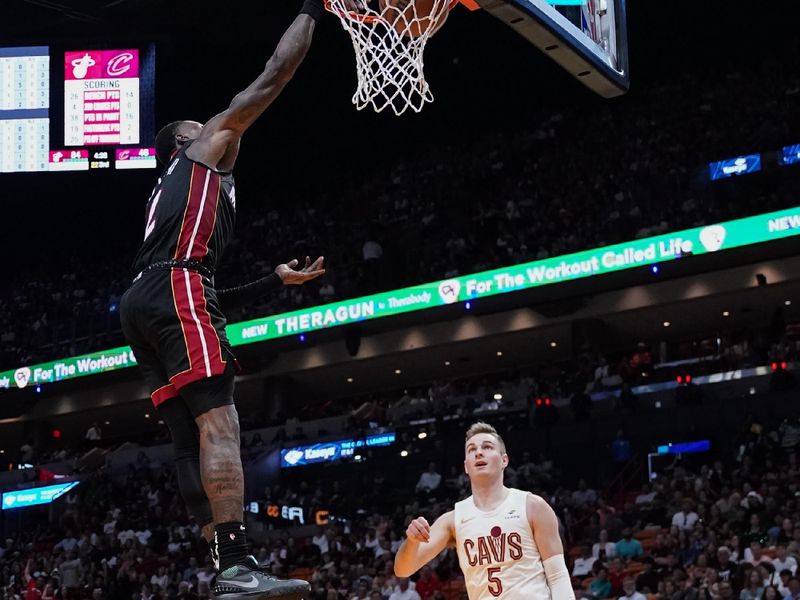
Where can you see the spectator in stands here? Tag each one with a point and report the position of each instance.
(754, 588)
(584, 495)
(616, 574)
(603, 549)
(600, 587)
(725, 567)
(647, 581)
(771, 593)
(686, 517)
(754, 555)
(647, 495)
(783, 582)
(642, 360)
(429, 480)
(628, 547)
(783, 561)
(321, 541)
(93, 434)
(794, 588)
(725, 591)
(68, 543)
(403, 591)
(362, 591)
(584, 563)
(756, 533)
(428, 583)
(70, 570)
(629, 589)
(27, 452)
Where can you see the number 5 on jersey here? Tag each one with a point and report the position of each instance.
(495, 585)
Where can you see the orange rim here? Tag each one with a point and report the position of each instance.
(353, 16)
(359, 18)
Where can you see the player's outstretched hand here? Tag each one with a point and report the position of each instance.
(290, 276)
(419, 530)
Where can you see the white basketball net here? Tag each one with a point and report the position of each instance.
(389, 60)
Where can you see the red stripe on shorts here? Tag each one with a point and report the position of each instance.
(203, 348)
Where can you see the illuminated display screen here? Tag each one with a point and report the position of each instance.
(331, 451)
(467, 288)
(790, 155)
(734, 166)
(286, 514)
(685, 448)
(101, 97)
(36, 496)
(24, 108)
(75, 109)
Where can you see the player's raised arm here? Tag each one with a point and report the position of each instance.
(544, 524)
(423, 542)
(217, 144)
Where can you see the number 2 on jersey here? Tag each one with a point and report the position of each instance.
(495, 585)
(151, 215)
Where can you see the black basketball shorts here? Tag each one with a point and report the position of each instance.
(173, 322)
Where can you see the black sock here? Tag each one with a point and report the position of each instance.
(231, 541)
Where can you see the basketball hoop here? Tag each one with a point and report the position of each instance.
(389, 44)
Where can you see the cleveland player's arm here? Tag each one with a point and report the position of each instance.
(544, 524)
(218, 143)
(423, 543)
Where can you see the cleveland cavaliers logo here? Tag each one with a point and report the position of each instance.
(119, 65)
(493, 549)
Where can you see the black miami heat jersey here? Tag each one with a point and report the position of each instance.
(190, 215)
(171, 316)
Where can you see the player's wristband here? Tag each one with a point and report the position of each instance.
(314, 9)
(238, 296)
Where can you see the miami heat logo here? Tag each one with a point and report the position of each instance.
(496, 548)
(80, 66)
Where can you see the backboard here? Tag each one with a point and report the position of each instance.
(588, 38)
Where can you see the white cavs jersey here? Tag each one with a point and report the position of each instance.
(497, 552)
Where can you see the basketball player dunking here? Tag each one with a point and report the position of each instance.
(507, 540)
(173, 317)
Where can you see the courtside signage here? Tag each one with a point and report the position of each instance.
(331, 451)
(35, 496)
(589, 263)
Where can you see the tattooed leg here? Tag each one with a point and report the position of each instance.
(221, 463)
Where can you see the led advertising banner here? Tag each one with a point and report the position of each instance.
(331, 451)
(735, 166)
(589, 263)
(686, 447)
(35, 496)
(790, 155)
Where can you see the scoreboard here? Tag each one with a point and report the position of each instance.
(101, 97)
(76, 108)
(24, 105)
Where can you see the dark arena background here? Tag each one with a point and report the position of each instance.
(611, 282)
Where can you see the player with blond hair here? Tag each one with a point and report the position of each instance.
(507, 540)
